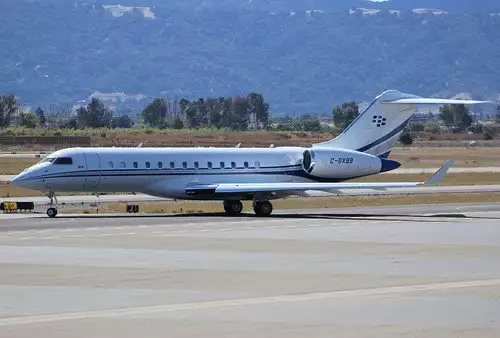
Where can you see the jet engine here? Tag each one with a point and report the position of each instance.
(343, 163)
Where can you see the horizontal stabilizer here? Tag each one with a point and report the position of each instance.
(423, 100)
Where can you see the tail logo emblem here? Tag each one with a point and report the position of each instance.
(379, 120)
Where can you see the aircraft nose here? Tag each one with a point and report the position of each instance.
(25, 180)
(19, 179)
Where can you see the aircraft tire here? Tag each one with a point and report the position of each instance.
(52, 212)
(233, 208)
(263, 209)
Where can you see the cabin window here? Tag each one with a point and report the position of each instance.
(257, 165)
(148, 165)
(122, 164)
(245, 164)
(172, 165)
(160, 165)
(184, 165)
(196, 165)
(233, 165)
(209, 165)
(110, 164)
(136, 165)
(63, 160)
(222, 165)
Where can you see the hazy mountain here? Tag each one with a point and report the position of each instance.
(302, 55)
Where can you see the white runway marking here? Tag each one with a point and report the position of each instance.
(144, 310)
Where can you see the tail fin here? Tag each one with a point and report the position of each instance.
(377, 128)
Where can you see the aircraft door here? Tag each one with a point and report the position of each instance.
(93, 168)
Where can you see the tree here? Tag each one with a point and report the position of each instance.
(94, 115)
(240, 114)
(456, 117)
(178, 124)
(122, 121)
(258, 109)
(307, 122)
(7, 109)
(155, 113)
(497, 116)
(406, 138)
(27, 120)
(346, 113)
(40, 115)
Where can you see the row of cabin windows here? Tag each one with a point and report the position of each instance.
(135, 165)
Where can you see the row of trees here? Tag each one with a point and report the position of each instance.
(238, 113)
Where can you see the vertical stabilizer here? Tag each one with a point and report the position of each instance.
(377, 128)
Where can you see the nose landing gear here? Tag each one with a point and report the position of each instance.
(52, 210)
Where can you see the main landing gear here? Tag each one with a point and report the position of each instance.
(235, 207)
(52, 210)
(263, 208)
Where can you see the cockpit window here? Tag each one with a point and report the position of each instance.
(63, 160)
(47, 160)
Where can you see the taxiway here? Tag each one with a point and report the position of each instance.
(420, 271)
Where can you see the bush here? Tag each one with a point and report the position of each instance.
(431, 127)
(406, 138)
(27, 120)
(417, 126)
(476, 128)
(178, 124)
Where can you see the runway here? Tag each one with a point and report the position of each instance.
(412, 271)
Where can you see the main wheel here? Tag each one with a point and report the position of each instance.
(264, 208)
(52, 212)
(233, 208)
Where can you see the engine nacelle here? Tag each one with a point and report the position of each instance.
(343, 163)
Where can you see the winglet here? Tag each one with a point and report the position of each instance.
(439, 175)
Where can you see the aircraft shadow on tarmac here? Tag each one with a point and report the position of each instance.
(349, 216)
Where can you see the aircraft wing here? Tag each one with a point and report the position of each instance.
(296, 188)
(423, 100)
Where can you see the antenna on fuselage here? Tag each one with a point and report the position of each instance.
(238, 145)
(272, 145)
(140, 145)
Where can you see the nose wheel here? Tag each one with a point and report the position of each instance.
(263, 208)
(52, 212)
(233, 208)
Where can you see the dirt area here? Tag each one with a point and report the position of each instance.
(56, 139)
(433, 157)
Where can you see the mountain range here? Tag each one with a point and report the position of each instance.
(304, 56)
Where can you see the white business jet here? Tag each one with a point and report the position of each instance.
(235, 174)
